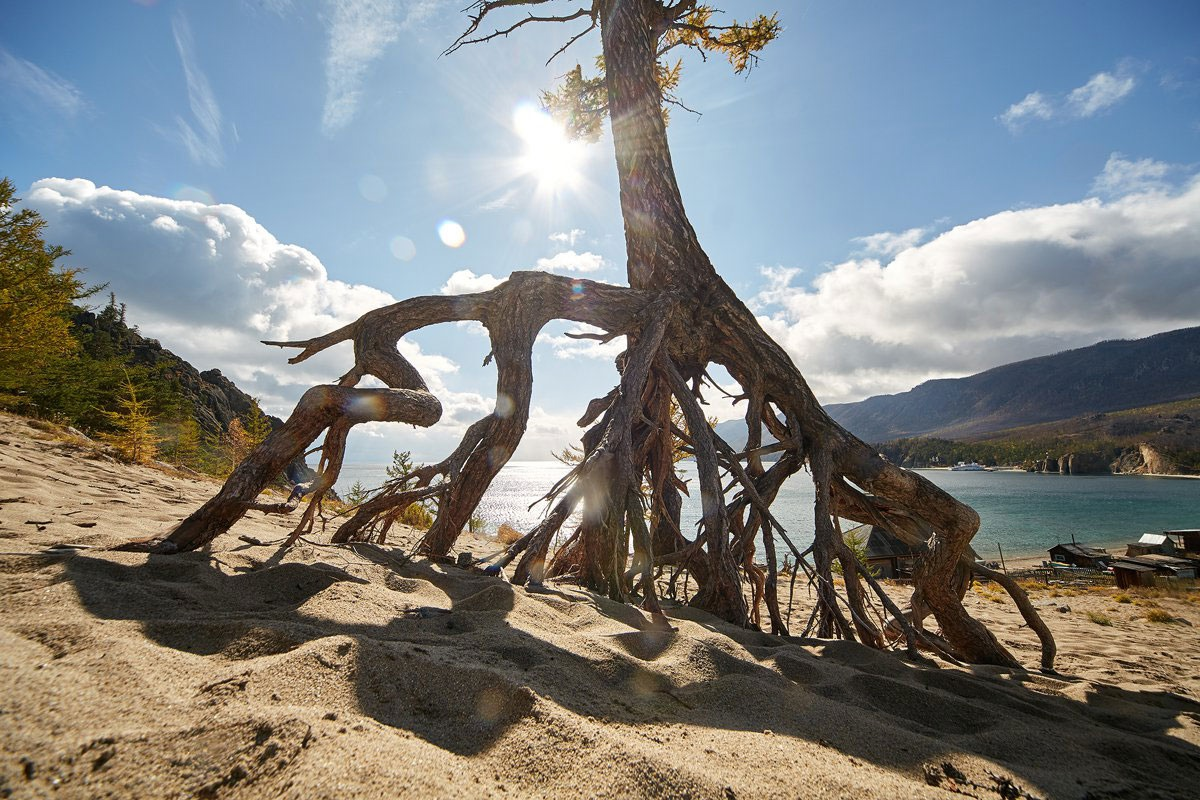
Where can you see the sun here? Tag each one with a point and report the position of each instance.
(550, 157)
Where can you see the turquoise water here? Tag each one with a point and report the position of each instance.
(1025, 513)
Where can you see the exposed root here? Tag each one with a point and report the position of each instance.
(626, 484)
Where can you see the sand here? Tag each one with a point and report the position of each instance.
(323, 672)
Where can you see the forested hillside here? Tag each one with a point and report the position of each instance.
(68, 362)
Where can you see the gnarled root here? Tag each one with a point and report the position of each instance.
(626, 482)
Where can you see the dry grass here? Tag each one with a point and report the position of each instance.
(1122, 598)
(1159, 615)
(1099, 618)
(507, 534)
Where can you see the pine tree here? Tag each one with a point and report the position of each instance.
(36, 298)
(256, 425)
(185, 451)
(235, 445)
(134, 438)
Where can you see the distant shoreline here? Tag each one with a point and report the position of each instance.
(1081, 475)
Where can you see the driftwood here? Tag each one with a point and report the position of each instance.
(679, 317)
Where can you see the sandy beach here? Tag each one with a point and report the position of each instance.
(244, 671)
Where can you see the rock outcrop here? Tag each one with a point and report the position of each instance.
(1084, 463)
(1145, 460)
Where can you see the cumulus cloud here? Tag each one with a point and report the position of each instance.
(210, 283)
(1122, 176)
(467, 282)
(203, 142)
(570, 346)
(36, 90)
(1010, 286)
(359, 32)
(570, 261)
(888, 243)
(1101, 92)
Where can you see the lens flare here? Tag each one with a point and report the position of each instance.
(372, 188)
(504, 406)
(402, 248)
(451, 233)
(184, 191)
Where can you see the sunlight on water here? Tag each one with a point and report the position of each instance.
(1025, 513)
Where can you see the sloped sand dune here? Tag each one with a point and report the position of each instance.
(339, 673)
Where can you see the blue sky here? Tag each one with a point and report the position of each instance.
(901, 191)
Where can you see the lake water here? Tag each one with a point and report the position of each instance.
(1026, 513)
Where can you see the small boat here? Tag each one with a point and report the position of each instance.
(972, 467)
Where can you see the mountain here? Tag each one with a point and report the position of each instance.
(1105, 377)
(210, 398)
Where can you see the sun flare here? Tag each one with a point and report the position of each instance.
(549, 156)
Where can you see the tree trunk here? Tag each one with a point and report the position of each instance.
(678, 316)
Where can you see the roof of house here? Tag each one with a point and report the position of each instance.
(882, 543)
(1153, 538)
(1132, 566)
(1166, 561)
(1080, 550)
(1153, 561)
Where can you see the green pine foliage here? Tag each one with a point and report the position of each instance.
(357, 494)
(36, 300)
(133, 436)
(580, 103)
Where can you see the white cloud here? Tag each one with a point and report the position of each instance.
(570, 261)
(1102, 91)
(504, 200)
(210, 283)
(1122, 176)
(35, 89)
(1010, 286)
(568, 238)
(888, 244)
(359, 32)
(1033, 106)
(569, 347)
(467, 282)
(203, 142)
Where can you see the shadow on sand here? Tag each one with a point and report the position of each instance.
(458, 659)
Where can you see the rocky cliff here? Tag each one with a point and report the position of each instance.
(212, 399)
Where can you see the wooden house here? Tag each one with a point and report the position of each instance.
(1132, 573)
(1149, 567)
(1187, 540)
(1079, 556)
(1170, 566)
(1151, 543)
(891, 557)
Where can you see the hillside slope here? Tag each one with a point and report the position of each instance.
(211, 399)
(1105, 377)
